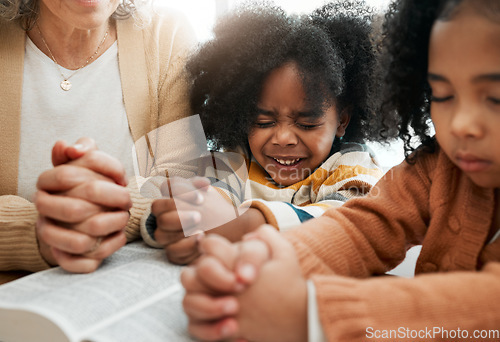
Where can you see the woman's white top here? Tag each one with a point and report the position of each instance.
(93, 108)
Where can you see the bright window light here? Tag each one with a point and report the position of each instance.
(203, 13)
(301, 6)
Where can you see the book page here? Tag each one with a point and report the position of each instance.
(78, 303)
(162, 321)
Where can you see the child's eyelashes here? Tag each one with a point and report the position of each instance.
(494, 100)
(269, 124)
(264, 124)
(308, 126)
(440, 99)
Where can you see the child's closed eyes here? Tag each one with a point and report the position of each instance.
(303, 120)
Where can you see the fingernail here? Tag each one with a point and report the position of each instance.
(195, 217)
(78, 146)
(246, 272)
(230, 307)
(199, 236)
(199, 198)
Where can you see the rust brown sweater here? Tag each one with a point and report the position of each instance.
(457, 282)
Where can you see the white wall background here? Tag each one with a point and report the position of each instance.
(203, 13)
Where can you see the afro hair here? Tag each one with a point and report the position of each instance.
(332, 47)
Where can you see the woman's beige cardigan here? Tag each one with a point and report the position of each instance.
(151, 61)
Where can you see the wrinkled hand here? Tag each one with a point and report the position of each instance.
(252, 290)
(193, 207)
(83, 207)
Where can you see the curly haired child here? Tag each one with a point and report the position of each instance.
(442, 69)
(292, 93)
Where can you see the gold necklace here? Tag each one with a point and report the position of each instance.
(65, 83)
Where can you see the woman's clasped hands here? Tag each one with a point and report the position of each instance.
(83, 207)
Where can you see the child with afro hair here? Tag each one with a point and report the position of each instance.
(292, 93)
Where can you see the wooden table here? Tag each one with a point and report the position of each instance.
(5, 277)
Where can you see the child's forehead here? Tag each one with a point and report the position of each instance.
(289, 85)
(467, 43)
(468, 20)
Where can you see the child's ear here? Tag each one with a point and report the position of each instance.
(344, 119)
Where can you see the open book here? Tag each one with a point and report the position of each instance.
(134, 296)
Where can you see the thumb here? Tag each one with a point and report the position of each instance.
(259, 247)
(63, 153)
(279, 247)
(82, 146)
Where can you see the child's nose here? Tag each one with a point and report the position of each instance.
(467, 122)
(283, 135)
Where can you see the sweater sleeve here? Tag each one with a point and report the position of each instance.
(433, 306)
(177, 139)
(140, 208)
(18, 242)
(348, 174)
(368, 235)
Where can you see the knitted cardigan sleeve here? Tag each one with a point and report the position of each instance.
(434, 306)
(170, 145)
(167, 140)
(18, 242)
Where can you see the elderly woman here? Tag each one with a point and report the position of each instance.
(106, 69)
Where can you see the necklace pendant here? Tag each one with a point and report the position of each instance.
(65, 85)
